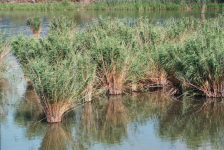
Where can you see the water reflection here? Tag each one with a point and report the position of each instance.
(57, 138)
(15, 21)
(114, 121)
(4, 86)
(104, 123)
(202, 127)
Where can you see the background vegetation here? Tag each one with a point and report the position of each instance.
(115, 5)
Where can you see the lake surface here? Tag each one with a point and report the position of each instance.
(134, 121)
(15, 21)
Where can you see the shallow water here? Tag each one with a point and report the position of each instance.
(15, 21)
(136, 121)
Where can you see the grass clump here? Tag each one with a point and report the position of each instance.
(198, 61)
(35, 25)
(4, 51)
(51, 66)
(115, 56)
(114, 50)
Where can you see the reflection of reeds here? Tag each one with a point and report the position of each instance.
(88, 118)
(114, 111)
(202, 123)
(108, 123)
(56, 138)
(114, 120)
(4, 89)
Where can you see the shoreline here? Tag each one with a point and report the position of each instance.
(101, 7)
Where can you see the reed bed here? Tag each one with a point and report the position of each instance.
(50, 66)
(197, 61)
(115, 56)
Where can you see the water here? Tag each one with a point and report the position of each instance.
(135, 121)
(15, 21)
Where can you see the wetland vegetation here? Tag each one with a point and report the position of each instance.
(35, 25)
(137, 73)
(114, 56)
(116, 5)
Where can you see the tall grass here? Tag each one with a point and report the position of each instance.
(115, 5)
(4, 51)
(50, 65)
(114, 49)
(121, 51)
(178, 52)
(198, 61)
(115, 56)
(35, 25)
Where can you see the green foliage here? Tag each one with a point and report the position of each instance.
(4, 50)
(199, 60)
(34, 23)
(50, 63)
(116, 5)
(120, 52)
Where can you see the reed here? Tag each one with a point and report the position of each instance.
(4, 51)
(198, 61)
(50, 65)
(118, 56)
(35, 25)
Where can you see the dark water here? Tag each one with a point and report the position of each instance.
(135, 121)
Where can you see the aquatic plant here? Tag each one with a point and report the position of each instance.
(51, 67)
(4, 51)
(114, 48)
(35, 25)
(198, 61)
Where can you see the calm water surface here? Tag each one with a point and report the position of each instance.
(15, 21)
(136, 121)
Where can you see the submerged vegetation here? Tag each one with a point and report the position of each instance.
(116, 5)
